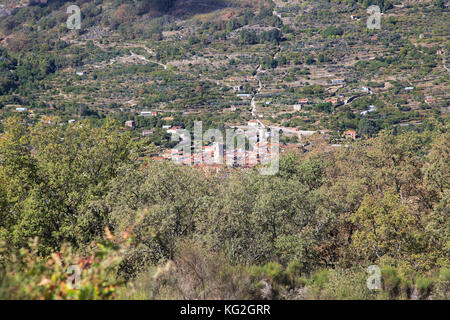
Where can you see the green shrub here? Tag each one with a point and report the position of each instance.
(26, 275)
(445, 274)
(441, 286)
(321, 278)
(394, 285)
(301, 281)
(275, 271)
(424, 285)
(341, 284)
(391, 280)
(293, 270)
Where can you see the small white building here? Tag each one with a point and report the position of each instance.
(297, 107)
(253, 123)
(337, 81)
(372, 108)
(147, 132)
(148, 113)
(173, 130)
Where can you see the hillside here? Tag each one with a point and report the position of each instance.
(86, 123)
(213, 46)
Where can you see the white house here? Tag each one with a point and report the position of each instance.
(146, 132)
(372, 108)
(148, 113)
(253, 123)
(337, 81)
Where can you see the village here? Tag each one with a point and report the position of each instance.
(342, 82)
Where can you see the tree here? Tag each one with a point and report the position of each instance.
(367, 127)
(53, 178)
(161, 204)
(125, 13)
(386, 227)
(249, 37)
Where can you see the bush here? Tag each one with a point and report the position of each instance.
(26, 275)
(321, 278)
(424, 285)
(441, 285)
(195, 273)
(293, 271)
(341, 284)
(393, 284)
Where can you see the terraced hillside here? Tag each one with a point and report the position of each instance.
(185, 59)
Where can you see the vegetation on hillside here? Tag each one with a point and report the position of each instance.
(85, 116)
(177, 232)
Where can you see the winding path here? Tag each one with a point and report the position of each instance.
(147, 60)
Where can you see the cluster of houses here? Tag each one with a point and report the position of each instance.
(216, 155)
(169, 129)
(303, 101)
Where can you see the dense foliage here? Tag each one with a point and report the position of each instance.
(309, 231)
